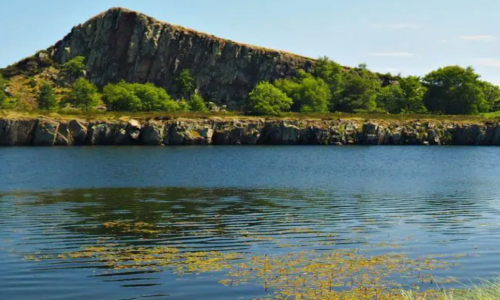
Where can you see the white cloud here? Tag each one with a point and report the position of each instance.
(479, 38)
(397, 26)
(488, 62)
(393, 54)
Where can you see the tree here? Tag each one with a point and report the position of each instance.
(46, 98)
(83, 95)
(359, 91)
(332, 73)
(492, 95)
(197, 103)
(455, 90)
(403, 96)
(74, 69)
(266, 99)
(186, 84)
(309, 94)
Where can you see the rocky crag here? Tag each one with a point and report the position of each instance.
(242, 131)
(122, 44)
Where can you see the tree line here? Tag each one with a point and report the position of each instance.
(329, 87)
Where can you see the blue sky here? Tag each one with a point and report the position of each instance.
(398, 36)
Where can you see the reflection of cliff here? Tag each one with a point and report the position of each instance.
(242, 131)
(236, 214)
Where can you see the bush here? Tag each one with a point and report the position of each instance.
(121, 97)
(197, 103)
(266, 99)
(83, 95)
(73, 69)
(138, 97)
(309, 94)
(359, 91)
(46, 98)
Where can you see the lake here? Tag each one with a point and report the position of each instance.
(245, 222)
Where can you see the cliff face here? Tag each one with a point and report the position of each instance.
(242, 131)
(121, 44)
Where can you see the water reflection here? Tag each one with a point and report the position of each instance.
(98, 233)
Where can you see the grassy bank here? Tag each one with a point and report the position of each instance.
(486, 291)
(110, 116)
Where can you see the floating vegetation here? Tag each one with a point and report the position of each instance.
(137, 227)
(337, 274)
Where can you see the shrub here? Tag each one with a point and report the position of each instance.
(74, 69)
(47, 99)
(309, 94)
(83, 94)
(197, 103)
(138, 97)
(266, 99)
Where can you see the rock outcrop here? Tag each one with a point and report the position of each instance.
(122, 44)
(243, 131)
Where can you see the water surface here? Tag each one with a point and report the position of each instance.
(81, 223)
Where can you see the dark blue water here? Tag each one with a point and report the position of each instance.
(70, 218)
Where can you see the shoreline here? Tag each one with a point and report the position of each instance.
(239, 130)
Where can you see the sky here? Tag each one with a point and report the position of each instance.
(397, 36)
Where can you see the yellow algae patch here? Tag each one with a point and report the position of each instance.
(137, 227)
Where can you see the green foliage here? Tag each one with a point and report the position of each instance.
(455, 90)
(309, 94)
(3, 97)
(405, 96)
(359, 91)
(46, 98)
(197, 103)
(186, 84)
(121, 97)
(74, 69)
(492, 95)
(266, 99)
(136, 97)
(83, 95)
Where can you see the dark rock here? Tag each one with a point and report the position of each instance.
(46, 133)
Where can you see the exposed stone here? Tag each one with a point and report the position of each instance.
(64, 137)
(78, 132)
(46, 133)
(17, 132)
(105, 134)
(152, 134)
(134, 129)
(122, 44)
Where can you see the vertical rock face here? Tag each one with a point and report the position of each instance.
(17, 132)
(121, 44)
(244, 131)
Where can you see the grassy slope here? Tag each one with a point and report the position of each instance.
(491, 117)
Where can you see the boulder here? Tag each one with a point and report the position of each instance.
(152, 133)
(79, 132)
(46, 133)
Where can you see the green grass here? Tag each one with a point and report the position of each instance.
(486, 291)
(109, 115)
